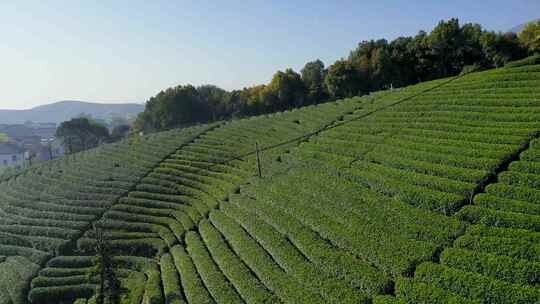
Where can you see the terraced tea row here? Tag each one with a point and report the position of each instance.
(67, 278)
(498, 257)
(436, 157)
(496, 260)
(427, 157)
(154, 218)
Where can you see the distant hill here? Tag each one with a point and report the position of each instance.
(65, 110)
(517, 29)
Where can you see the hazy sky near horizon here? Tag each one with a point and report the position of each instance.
(128, 50)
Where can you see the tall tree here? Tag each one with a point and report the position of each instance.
(403, 62)
(80, 134)
(530, 36)
(343, 79)
(365, 58)
(469, 48)
(383, 70)
(173, 107)
(313, 75)
(286, 90)
(251, 100)
(424, 59)
(215, 99)
(498, 48)
(444, 41)
(104, 270)
(119, 132)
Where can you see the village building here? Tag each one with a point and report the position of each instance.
(11, 155)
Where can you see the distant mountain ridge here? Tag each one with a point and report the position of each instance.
(65, 110)
(519, 28)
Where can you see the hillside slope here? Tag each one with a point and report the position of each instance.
(426, 194)
(66, 110)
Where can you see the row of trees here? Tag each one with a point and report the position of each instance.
(372, 66)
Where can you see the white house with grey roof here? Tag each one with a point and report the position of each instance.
(11, 155)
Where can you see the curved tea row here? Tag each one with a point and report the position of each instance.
(161, 215)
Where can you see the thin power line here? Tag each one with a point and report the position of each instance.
(333, 125)
(290, 141)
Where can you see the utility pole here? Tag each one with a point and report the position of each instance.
(258, 159)
(49, 146)
(69, 144)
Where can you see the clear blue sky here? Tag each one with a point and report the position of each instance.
(121, 51)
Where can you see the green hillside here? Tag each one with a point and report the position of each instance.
(426, 194)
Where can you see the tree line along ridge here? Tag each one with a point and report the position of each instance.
(447, 50)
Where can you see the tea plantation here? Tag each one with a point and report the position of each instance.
(426, 194)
